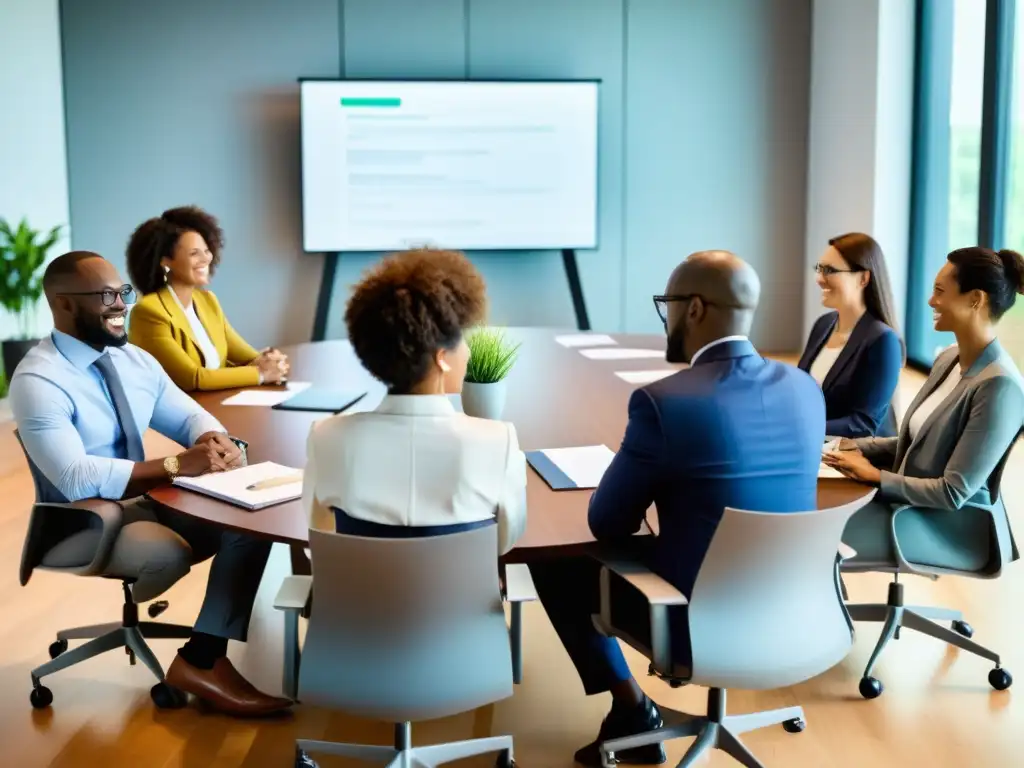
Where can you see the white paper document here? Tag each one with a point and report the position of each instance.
(644, 377)
(585, 465)
(585, 340)
(233, 486)
(620, 353)
(267, 398)
(825, 472)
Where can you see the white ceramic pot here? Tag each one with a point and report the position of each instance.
(485, 401)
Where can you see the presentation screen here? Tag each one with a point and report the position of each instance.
(468, 165)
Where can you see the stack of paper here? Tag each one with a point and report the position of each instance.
(644, 377)
(620, 353)
(267, 398)
(253, 487)
(585, 340)
(572, 468)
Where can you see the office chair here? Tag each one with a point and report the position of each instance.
(763, 575)
(404, 630)
(78, 539)
(293, 598)
(975, 529)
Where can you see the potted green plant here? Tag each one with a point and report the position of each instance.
(23, 253)
(491, 357)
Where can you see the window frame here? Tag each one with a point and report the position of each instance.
(930, 156)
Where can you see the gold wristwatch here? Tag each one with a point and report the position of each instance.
(172, 467)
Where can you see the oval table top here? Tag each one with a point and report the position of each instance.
(556, 398)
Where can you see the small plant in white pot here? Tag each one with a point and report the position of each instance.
(491, 357)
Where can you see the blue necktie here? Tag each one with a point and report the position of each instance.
(132, 438)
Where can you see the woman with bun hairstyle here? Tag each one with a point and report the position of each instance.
(940, 476)
(854, 352)
(171, 259)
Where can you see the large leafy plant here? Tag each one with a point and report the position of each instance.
(22, 256)
(491, 356)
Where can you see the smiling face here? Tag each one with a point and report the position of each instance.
(951, 309)
(94, 322)
(189, 264)
(841, 286)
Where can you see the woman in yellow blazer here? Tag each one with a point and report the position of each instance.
(171, 259)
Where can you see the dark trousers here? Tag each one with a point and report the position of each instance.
(157, 546)
(570, 591)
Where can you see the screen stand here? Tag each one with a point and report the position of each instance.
(572, 275)
(323, 299)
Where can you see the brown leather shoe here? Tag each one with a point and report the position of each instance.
(224, 689)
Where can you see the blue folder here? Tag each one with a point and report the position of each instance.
(321, 400)
(549, 472)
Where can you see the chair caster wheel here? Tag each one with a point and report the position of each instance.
(157, 607)
(1000, 679)
(505, 760)
(57, 648)
(796, 725)
(167, 697)
(870, 687)
(963, 628)
(41, 697)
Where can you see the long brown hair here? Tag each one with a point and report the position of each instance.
(863, 254)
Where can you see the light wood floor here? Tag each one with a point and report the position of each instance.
(938, 709)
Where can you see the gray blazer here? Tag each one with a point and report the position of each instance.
(951, 471)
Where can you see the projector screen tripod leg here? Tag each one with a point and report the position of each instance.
(572, 275)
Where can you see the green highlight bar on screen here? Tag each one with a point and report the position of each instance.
(370, 102)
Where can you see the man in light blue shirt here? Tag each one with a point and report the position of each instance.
(82, 399)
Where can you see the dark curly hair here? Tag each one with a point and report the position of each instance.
(407, 307)
(1000, 274)
(156, 238)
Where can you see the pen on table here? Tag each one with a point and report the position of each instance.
(274, 482)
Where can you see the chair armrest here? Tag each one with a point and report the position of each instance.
(519, 586)
(294, 593)
(655, 589)
(660, 596)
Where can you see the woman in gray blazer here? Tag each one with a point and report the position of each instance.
(941, 475)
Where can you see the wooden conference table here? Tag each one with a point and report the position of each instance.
(556, 398)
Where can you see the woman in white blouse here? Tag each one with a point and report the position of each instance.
(415, 466)
(854, 352)
(941, 476)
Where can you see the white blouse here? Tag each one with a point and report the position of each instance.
(416, 461)
(933, 401)
(211, 360)
(823, 363)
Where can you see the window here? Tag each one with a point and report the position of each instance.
(968, 152)
(947, 162)
(1011, 329)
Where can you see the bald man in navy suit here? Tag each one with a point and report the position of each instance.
(732, 430)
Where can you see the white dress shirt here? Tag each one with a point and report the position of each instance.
(211, 360)
(933, 401)
(823, 363)
(416, 461)
(715, 343)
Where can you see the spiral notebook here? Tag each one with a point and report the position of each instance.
(233, 486)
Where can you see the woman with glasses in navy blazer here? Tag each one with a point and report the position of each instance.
(854, 351)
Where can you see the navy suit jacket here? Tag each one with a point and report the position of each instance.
(734, 430)
(859, 387)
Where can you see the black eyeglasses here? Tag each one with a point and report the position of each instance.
(109, 295)
(826, 270)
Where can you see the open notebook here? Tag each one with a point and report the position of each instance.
(234, 486)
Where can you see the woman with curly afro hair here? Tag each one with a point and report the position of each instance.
(415, 461)
(171, 259)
